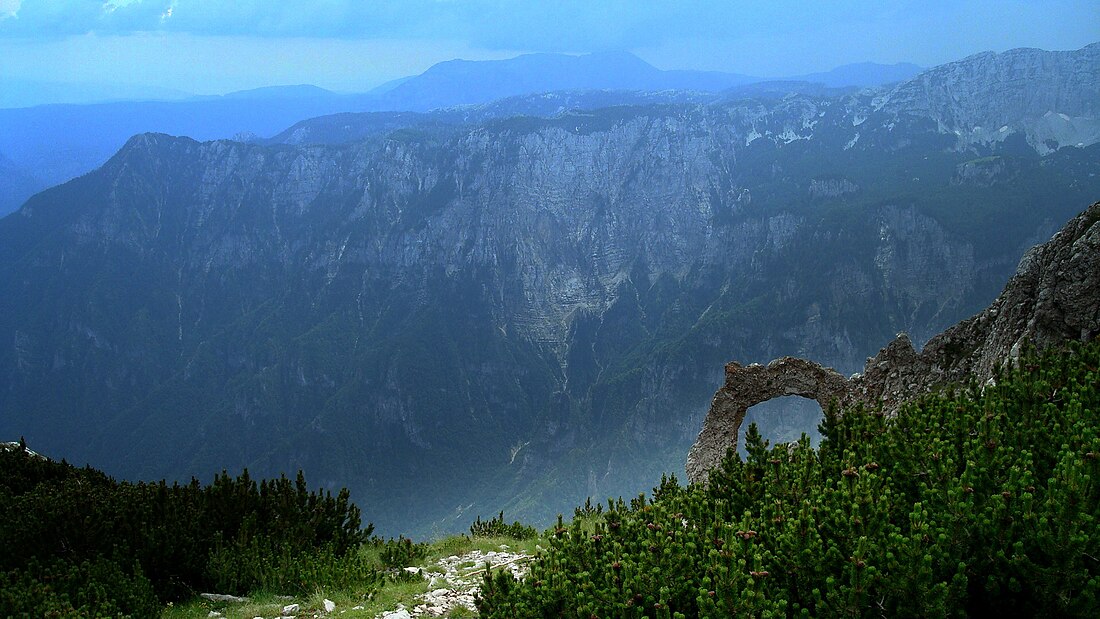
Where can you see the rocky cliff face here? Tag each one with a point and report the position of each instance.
(449, 318)
(1054, 297)
(1050, 98)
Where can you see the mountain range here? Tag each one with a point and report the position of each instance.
(54, 143)
(466, 310)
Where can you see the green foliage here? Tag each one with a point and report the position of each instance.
(588, 510)
(497, 528)
(978, 503)
(260, 566)
(234, 536)
(98, 588)
(400, 552)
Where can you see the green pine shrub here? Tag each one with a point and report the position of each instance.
(497, 528)
(977, 502)
(401, 552)
(233, 536)
(261, 566)
(98, 588)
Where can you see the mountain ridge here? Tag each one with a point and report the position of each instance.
(60, 141)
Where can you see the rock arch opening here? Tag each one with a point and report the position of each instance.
(746, 386)
(783, 419)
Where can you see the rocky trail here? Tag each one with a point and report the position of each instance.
(458, 582)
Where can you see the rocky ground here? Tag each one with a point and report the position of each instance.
(457, 582)
(444, 585)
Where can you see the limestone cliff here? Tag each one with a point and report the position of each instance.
(1051, 98)
(1053, 297)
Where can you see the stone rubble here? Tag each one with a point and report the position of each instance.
(221, 597)
(458, 583)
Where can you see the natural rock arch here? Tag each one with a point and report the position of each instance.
(1051, 299)
(747, 386)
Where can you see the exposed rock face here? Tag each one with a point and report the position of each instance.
(15, 445)
(748, 386)
(1054, 297)
(988, 97)
(831, 187)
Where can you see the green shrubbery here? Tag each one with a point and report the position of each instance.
(400, 552)
(95, 588)
(95, 546)
(262, 566)
(496, 528)
(980, 503)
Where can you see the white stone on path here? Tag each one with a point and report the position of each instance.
(221, 597)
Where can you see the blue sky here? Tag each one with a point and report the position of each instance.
(208, 46)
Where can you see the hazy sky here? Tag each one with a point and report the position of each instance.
(209, 46)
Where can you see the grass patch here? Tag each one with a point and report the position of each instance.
(395, 590)
(268, 605)
(462, 544)
(260, 605)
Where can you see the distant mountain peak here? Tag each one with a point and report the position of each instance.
(463, 82)
(1056, 105)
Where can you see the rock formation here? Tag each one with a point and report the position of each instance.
(957, 97)
(1053, 297)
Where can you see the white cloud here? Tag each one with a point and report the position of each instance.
(111, 5)
(9, 8)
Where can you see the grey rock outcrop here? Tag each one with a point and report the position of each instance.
(831, 187)
(987, 97)
(1053, 297)
(751, 385)
(17, 445)
(222, 597)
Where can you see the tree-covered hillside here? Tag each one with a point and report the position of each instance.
(80, 544)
